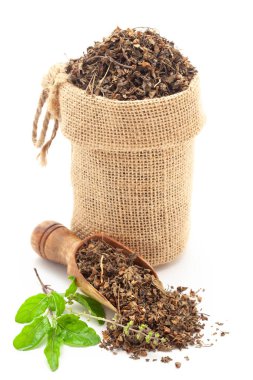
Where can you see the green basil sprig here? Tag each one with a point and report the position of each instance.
(48, 321)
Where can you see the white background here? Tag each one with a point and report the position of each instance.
(217, 36)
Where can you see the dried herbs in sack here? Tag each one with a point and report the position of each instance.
(131, 108)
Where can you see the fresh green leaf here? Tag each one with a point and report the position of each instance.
(93, 306)
(76, 332)
(32, 308)
(52, 349)
(72, 287)
(57, 303)
(32, 334)
(51, 303)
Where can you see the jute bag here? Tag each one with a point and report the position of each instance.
(131, 163)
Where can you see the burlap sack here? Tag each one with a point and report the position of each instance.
(131, 163)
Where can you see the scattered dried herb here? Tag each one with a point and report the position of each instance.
(50, 316)
(165, 359)
(148, 317)
(132, 64)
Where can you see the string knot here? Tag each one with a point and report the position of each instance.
(51, 83)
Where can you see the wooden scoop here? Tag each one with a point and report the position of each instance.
(54, 242)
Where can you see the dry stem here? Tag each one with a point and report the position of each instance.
(110, 59)
(102, 269)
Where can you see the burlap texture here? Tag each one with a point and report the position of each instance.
(132, 167)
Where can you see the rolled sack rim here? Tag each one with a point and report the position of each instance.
(97, 122)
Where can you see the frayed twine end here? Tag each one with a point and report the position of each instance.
(42, 156)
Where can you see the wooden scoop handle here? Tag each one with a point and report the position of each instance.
(53, 241)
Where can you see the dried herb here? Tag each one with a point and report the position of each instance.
(50, 316)
(148, 318)
(132, 64)
(165, 359)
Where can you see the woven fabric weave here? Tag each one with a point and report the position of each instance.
(132, 167)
